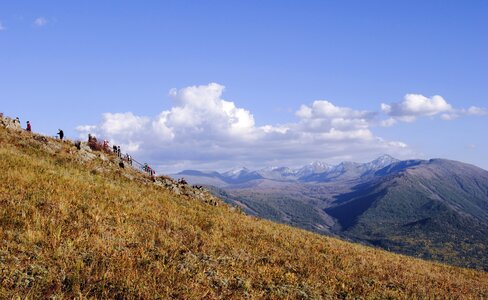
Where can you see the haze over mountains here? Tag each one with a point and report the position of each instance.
(436, 209)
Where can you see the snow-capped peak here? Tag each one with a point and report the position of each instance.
(380, 162)
(314, 168)
(317, 166)
(384, 160)
(277, 173)
(236, 172)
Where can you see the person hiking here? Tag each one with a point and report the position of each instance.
(114, 149)
(29, 128)
(61, 134)
(118, 152)
(17, 120)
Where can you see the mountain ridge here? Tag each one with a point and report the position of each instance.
(312, 172)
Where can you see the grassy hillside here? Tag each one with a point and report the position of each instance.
(74, 228)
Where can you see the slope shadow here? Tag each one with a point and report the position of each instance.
(352, 205)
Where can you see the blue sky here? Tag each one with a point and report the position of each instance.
(112, 66)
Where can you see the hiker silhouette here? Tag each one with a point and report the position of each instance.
(61, 134)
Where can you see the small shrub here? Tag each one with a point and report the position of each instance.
(95, 145)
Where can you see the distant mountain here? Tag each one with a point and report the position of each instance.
(278, 173)
(313, 168)
(350, 170)
(313, 172)
(205, 178)
(377, 164)
(236, 176)
(435, 209)
(240, 175)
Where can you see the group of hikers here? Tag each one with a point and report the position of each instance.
(29, 128)
(149, 170)
(115, 149)
(127, 157)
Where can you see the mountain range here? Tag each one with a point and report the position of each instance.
(435, 209)
(313, 172)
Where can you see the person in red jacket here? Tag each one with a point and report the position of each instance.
(29, 128)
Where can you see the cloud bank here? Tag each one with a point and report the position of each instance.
(202, 130)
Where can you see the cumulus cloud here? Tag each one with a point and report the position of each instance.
(122, 124)
(415, 105)
(40, 22)
(324, 122)
(325, 109)
(203, 130)
(201, 109)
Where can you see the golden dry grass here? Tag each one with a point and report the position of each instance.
(70, 232)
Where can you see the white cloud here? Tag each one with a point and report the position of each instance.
(471, 111)
(40, 22)
(476, 111)
(201, 109)
(122, 124)
(324, 116)
(398, 144)
(415, 105)
(203, 130)
(83, 130)
(388, 122)
(325, 109)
